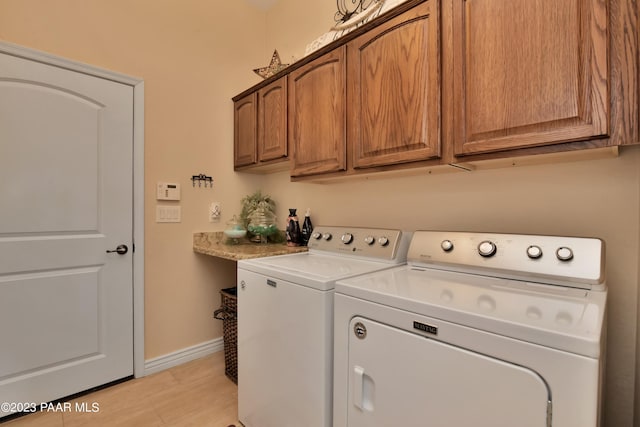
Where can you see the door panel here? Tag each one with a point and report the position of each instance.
(394, 90)
(529, 73)
(38, 325)
(246, 131)
(317, 115)
(272, 121)
(74, 122)
(66, 171)
(400, 378)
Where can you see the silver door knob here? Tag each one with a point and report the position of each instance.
(121, 249)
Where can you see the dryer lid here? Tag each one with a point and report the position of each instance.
(565, 318)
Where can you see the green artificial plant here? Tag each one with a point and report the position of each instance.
(250, 204)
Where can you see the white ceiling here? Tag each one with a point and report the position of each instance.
(262, 4)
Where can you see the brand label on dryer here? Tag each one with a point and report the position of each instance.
(430, 329)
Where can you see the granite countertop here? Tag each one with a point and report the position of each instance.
(213, 243)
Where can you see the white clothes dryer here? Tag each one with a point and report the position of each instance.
(477, 330)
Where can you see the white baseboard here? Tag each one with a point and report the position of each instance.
(157, 364)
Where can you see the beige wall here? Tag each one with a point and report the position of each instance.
(291, 25)
(194, 57)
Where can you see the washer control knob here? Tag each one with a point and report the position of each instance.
(369, 240)
(446, 245)
(316, 235)
(347, 238)
(564, 254)
(383, 241)
(327, 236)
(534, 252)
(487, 248)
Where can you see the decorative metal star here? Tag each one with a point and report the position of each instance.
(274, 67)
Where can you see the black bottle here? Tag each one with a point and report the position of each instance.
(307, 228)
(293, 229)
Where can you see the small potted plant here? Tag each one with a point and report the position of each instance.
(263, 206)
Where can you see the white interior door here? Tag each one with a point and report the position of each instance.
(66, 174)
(402, 379)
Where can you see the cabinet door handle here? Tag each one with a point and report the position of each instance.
(272, 283)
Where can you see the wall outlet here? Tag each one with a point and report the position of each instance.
(215, 210)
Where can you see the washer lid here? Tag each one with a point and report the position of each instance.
(312, 269)
(564, 318)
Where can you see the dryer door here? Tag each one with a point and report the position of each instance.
(399, 378)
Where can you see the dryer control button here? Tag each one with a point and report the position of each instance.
(487, 248)
(347, 238)
(534, 252)
(327, 236)
(564, 254)
(446, 245)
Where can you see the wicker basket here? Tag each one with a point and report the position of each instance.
(228, 313)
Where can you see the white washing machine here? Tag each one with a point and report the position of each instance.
(477, 330)
(285, 323)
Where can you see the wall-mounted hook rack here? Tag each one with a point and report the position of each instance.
(208, 181)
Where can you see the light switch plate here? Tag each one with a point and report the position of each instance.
(168, 214)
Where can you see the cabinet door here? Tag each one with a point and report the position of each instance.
(245, 131)
(317, 115)
(394, 90)
(272, 121)
(529, 72)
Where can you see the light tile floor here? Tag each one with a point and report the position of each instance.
(194, 394)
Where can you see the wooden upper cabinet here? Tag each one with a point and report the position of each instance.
(245, 131)
(529, 73)
(272, 121)
(317, 115)
(260, 120)
(394, 90)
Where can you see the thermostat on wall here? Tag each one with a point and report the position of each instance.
(168, 191)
